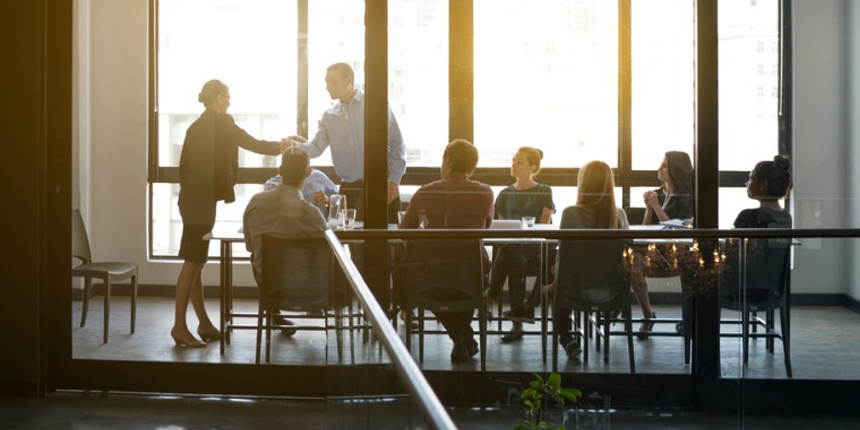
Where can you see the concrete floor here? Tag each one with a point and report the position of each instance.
(168, 412)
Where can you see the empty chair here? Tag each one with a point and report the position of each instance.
(446, 277)
(299, 275)
(760, 282)
(108, 272)
(592, 278)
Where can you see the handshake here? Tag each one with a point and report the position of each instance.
(289, 141)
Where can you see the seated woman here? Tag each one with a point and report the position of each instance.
(524, 198)
(673, 200)
(595, 208)
(769, 181)
(764, 259)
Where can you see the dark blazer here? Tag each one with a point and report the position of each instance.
(209, 165)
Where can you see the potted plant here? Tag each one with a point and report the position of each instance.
(540, 396)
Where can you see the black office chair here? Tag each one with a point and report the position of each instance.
(759, 281)
(444, 276)
(108, 272)
(299, 275)
(593, 278)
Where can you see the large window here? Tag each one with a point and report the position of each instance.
(250, 45)
(663, 80)
(590, 79)
(554, 86)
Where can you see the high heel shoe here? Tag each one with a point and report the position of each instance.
(646, 327)
(187, 343)
(208, 334)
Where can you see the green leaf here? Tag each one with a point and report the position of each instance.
(530, 404)
(571, 394)
(554, 380)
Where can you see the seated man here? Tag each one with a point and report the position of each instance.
(317, 188)
(282, 212)
(454, 201)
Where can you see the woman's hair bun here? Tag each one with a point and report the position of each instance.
(782, 162)
(539, 153)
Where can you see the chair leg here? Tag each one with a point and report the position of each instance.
(482, 325)
(769, 324)
(555, 330)
(407, 329)
(107, 309)
(754, 320)
(421, 335)
(628, 327)
(605, 337)
(785, 326)
(260, 313)
(269, 316)
(745, 324)
(499, 314)
(88, 285)
(338, 324)
(543, 328)
(586, 330)
(596, 327)
(133, 302)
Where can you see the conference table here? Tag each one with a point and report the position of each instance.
(228, 235)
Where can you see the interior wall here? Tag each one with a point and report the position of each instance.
(852, 111)
(820, 190)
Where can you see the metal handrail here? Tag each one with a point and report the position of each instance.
(594, 234)
(414, 379)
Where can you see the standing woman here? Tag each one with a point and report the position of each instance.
(673, 200)
(208, 170)
(524, 198)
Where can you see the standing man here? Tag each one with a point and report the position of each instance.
(342, 128)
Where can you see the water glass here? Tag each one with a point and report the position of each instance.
(349, 218)
(400, 215)
(528, 221)
(336, 206)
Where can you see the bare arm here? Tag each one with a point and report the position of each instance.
(545, 216)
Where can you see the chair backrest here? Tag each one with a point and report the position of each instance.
(299, 274)
(444, 275)
(80, 241)
(760, 267)
(592, 271)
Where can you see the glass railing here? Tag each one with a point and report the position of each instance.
(379, 385)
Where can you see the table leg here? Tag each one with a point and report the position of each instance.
(229, 289)
(222, 295)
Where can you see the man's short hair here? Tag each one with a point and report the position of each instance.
(294, 166)
(462, 156)
(343, 70)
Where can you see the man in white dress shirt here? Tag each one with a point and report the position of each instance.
(342, 128)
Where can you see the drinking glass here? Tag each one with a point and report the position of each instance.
(528, 221)
(336, 206)
(349, 218)
(400, 215)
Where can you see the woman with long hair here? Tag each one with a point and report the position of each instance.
(673, 200)
(208, 170)
(595, 208)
